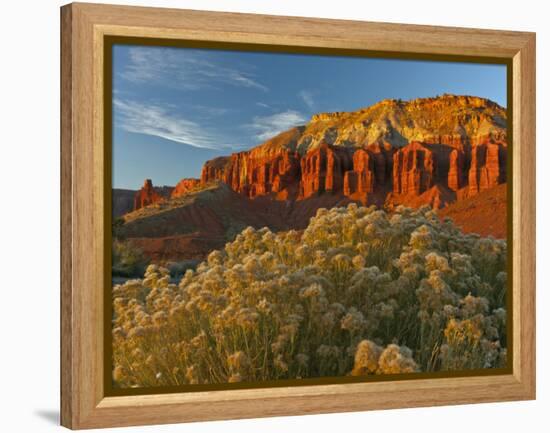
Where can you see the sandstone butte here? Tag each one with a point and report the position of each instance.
(149, 194)
(431, 151)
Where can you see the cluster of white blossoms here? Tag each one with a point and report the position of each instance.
(360, 291)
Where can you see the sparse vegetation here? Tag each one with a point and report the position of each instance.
(178, 269)
(128, 261)
(358, 292)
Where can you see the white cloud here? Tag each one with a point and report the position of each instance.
(266, 127)
(263, 105)
(307, 97)
(161, 121)
(183, 69)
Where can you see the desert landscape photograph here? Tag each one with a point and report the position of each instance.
(283, 217)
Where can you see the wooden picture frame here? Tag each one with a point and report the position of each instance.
(84, 28)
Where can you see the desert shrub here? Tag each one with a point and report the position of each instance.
(358, 292)
(128, 261)
(178, 269)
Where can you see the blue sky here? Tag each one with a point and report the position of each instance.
(174, 108)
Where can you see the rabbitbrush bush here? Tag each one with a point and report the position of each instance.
(359, 292)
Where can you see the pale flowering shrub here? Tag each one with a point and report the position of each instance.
(366, 359)
(395, 359)
(358, 292)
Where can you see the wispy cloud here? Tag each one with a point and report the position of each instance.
(163, 121)
(184, 69)
(307, 97)
(262, 104)
(268, 126)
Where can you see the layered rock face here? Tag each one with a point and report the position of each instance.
(413, 169)
(369, 179)
(360, 180)
(253, 174)
(148, 194)
(185, 186)
(270, 168)
(455, 121)
(487, 167)
(323, 170)
(455, 177)
(425, 151)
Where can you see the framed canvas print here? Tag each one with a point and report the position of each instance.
(271, 216)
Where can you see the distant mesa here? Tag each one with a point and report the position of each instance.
(122, 201)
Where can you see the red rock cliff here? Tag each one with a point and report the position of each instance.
(360, 180)
(148, 194)
(455, 177)
(364, 174)
(459, 149)
(368, 181)
(184, 186)
(413, 169)
(271, 168)
(487, 167)
(252, 173)
(323, 170)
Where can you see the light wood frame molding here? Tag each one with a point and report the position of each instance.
(83, 402)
